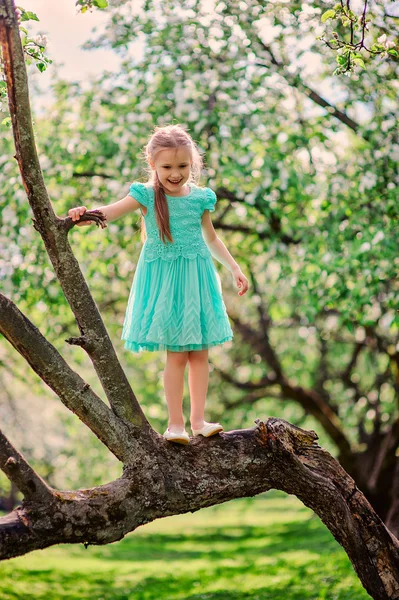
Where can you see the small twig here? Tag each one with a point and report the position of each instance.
(95, 215)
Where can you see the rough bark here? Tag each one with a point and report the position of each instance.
(177, 479)
(73, 391)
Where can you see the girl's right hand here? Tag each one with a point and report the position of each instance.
(76, 213)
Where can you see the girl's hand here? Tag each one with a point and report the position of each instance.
(76, 213)
(240, 280)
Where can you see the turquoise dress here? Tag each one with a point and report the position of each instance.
(175, 302)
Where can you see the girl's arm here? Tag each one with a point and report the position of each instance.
(220, 252)
(215, 244)
(111, 211)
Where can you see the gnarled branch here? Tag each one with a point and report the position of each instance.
(74, 392)
(178, 479)
(54, 231)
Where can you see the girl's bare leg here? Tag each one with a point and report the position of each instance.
(173, 379)
(198, 378)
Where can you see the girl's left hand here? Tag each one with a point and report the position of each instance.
(240, 280)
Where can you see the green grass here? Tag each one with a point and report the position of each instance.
(270, 547)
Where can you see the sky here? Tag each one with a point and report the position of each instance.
(67, 30)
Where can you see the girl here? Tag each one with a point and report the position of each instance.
(176, 302)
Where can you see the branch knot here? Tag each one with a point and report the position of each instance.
(82, 341)
(11, 462)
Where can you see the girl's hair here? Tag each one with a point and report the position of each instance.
(164, 138)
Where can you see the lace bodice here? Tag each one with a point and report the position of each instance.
(185, 214)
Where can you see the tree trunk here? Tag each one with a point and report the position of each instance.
(376, 472)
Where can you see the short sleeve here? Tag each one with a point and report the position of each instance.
(139, 192)
(210, 200)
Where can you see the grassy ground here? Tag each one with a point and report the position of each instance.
(269, 547)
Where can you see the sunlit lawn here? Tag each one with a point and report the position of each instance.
(267, 548)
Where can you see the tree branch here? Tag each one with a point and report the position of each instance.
(72, 390)
(235, 464)
(295, 81)
(19, 472)
(273, 220)
(54, 231)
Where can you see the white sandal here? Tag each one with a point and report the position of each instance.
(208, 429)
(180, 438)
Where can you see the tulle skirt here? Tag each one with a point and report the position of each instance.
(175, 305)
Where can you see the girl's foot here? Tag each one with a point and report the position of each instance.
(181, 436)
(208, 429)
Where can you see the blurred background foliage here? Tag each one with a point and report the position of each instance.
(305, 166)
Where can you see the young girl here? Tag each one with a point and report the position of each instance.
(176, 302)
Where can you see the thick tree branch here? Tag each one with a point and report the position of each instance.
(74, 392)
(54, 231)
(233, 464)
(19, 472)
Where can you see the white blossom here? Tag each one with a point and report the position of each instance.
(41, 40)
(378, 237)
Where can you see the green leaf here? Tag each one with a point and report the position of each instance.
(100, 3)
(359, 61)
(29, 16)
(393, 52)
(41, 66)
(6, 121)
(329, 14)
(3, 85)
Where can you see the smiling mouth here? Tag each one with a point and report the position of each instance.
(174, 181)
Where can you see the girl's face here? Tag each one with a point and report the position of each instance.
(173, 167)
